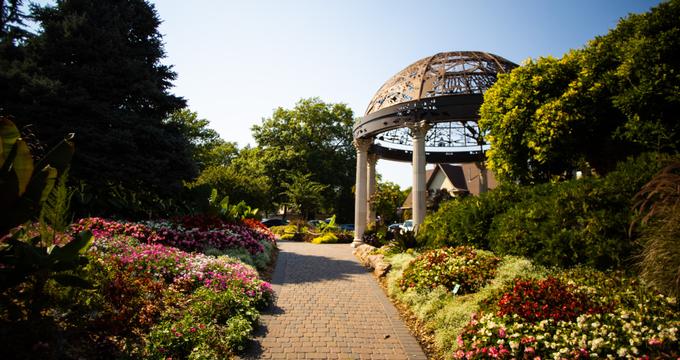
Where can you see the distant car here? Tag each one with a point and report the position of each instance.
(274, 222)
(394, 227)
(407, 225)
(346, 227)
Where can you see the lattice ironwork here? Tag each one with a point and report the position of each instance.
(441, 135)
(445, 91)
(449, 73)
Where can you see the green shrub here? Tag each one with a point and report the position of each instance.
(466, 221)
(327, 238)
(262, 260)
(215, 324)
(279, 230)
(404, 240)
(577, 221)
(461, 269)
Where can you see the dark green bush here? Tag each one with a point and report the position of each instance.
(466, 221)
(577, 221)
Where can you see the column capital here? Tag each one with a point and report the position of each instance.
(362, 145)
(418, 128)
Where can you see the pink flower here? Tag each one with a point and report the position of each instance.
(501, 333)
(654, 342)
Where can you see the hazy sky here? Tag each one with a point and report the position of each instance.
(239, 60)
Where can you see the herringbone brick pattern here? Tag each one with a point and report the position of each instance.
(329, 307)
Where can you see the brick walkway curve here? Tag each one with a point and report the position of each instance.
(329, 307)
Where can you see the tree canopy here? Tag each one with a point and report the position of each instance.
(312, 138)
(616, 97)
(303, 194)
(386, 200)
(95, 70)
(243, 178)
(207, 147)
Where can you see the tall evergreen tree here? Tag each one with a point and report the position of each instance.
(95, 70)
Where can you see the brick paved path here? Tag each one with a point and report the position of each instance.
(329, 307)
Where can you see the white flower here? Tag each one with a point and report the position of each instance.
(595, 344)
(622, 352)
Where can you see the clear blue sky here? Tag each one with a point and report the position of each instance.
(238, 60)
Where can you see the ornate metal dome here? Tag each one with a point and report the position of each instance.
(449, 73)
(446, 90)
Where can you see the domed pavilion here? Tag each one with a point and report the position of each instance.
(426, 113)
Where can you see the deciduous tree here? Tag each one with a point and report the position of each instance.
(618, 96)
(312, 138)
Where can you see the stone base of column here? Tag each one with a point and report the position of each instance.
(356, 243)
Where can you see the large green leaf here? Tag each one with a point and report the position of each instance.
(28, 205)
(80, 244)
(8, 137)
(72, 280)
(40, 186)
(60, 156)
(23, 165)
(9, 192)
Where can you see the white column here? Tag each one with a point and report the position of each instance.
(360, 190)
(372, 160)
(419, 193)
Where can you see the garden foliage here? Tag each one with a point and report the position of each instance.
(594, 106)
(146, 297)
(466, 220)
(572, 222)
(327, 238)
(189, 233)
(554, 318)
(461, 270)
(525, 311)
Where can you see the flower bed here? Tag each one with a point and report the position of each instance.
(528, 312)
(535, 300)
(183, 304)
(622, 320)
(146, 296)
(461, 269)
(190, 233)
